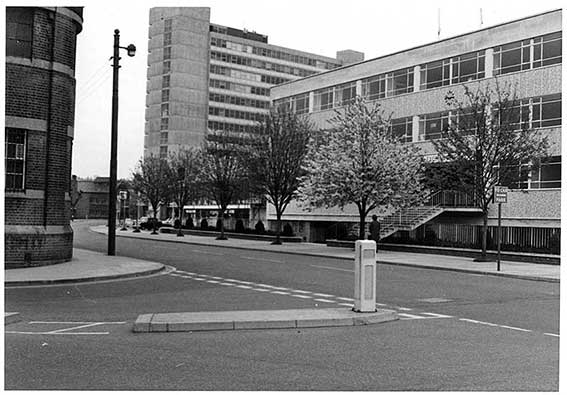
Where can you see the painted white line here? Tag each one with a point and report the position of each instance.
(325, 300)
(411, 316)
(217, 278)
(404, 309)
(243, 286)
(229, 284)
(58, 333)
(347, 299)
(272, 287)
(514, 328)
(213, 282)
(438, 315)
(333, 268)
(324, 295)
(551, 334)
(300, 291)
(76, 322)
(243, 282)
(302, 296)
(378, 304)
(280, 293)
(199, 279)
(346, 304)
(260, 289)
(74, 327)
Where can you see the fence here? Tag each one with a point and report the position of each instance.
(517, 239)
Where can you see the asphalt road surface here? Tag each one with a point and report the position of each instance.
(457, 331)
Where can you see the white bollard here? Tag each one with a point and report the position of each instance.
(365, 276)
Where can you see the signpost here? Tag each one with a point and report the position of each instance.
(123, 197)
(500, 196)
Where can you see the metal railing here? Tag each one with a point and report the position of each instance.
(451, 199)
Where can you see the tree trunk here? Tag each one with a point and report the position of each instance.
(362, 229)
(484, 234)
(278, 240)
(222, 236)
(154, 231)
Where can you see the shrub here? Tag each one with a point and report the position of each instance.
(260, 229)
(287, 230)
(239, 226)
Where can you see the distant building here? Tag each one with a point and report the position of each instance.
(93, 201)
(39, 119)
(411, 85)
(203, 76)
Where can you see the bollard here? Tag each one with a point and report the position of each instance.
(365, 276)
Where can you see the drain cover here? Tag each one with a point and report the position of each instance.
(435, 300)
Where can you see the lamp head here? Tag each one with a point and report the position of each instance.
(131, 50)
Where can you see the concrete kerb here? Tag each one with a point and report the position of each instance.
(306, 253)
(258, 319)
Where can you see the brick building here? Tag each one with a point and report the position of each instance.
(39, 119)
(411, 85)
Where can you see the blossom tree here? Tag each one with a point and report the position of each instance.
(358, 160)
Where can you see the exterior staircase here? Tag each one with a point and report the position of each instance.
(409, 218)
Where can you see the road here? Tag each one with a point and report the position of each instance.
(457, 332)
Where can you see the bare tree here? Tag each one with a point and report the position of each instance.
(150, 179)
(486, 143)
(222, 172)
(359, 160)
(183, 179)
(278, 152)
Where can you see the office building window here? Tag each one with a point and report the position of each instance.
(431, 126)
(165, 81)
(546, 111)
(283, 105)
(399, 82)
(163, 138)
(301, 103)
(19, 31)
(164, 124)
(15, 151)
(167, 39)
(165, 95)
(165, 109)
(547, 49)
(323, 99)
(163, 152)
(167, 53)
(523, 55)
(345, 93)
(167, 25)
(467, 67)
(166, 66)
(402, 128)
(374, 87)
(435, 74)
(547, 175)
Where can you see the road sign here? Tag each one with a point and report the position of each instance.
(500, 194)
(123, 195)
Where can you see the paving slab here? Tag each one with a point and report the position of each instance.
(258, 319)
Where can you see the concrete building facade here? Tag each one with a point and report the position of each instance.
(203, 76)
(39, 119)
(412, 84)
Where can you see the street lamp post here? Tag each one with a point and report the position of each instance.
(114, 142)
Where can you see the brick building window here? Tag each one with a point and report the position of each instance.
(15, 158)
(19, 28)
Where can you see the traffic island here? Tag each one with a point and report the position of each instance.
(258, 319)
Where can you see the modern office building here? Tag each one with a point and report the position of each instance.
(411, 84)
(203, 76)
(40, 108)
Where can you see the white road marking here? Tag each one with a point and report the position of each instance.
(280, 293)
(325, 300)
(302, 296)
(437, 315)
(76, 322)
(411, 316)
(346, 304)
(75, 327)
(300, 291)
(258, 289)
(324, 295)
(514, 328)
(347, 299)
(243, 286)
(57, 333)
(551, 334)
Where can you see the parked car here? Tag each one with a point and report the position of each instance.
(148, 223)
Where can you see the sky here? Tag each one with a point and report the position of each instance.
(319, 26)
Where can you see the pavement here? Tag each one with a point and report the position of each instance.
(92, 266)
